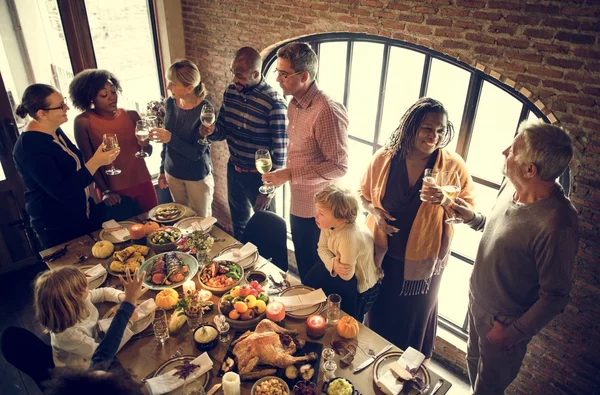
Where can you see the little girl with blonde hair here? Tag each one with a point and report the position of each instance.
(65, 308)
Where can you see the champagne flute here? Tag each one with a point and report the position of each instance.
(449, 183)
(111, 142)
(262, 158)
(207, 117)
(142, 132)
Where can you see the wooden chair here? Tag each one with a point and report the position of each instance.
(268, 232)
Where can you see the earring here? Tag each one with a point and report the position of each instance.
(92, 105)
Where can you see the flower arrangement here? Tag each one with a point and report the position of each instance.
(157, 109)
(193, 307)
(197, 243)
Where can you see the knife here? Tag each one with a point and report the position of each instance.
(214, 389)
(438, 385)
(372, 359)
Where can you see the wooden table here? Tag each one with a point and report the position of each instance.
(144, 355)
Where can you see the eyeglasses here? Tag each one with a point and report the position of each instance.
(63, 107)
(285, 75)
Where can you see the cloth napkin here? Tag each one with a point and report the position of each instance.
(299, 302)
(117, 231)
(203, 225)
(144, 309)
(167, 382)
(389, 382)
(235, 255)
(95, 272)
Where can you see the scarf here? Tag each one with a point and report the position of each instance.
(428, 246)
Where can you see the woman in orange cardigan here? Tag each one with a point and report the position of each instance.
(412, 241)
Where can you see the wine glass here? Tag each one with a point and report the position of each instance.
(207, 117)
(142, 132)
(111, 142)
(262, 158)
(449, 183)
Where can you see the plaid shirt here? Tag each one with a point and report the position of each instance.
(317, 149)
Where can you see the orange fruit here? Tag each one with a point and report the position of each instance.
(234, 315)
(240, 307)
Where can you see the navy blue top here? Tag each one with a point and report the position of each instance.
(55, 196)
(183, 157)
(108, 347)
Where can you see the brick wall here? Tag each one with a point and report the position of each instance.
(547, 49)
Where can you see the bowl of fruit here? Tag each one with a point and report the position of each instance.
(220, 276)
(244, 306)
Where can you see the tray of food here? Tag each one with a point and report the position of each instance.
(220, 277)
(168, 270)
(129, 258)
(167, 213)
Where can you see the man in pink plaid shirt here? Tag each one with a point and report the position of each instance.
(317, 148)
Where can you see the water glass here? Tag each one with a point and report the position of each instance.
(161, 326)
(194, 322)
(329, 368)
(328, 354)
(334, 302)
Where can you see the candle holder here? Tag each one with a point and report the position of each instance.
(276, 312)
(315, 326)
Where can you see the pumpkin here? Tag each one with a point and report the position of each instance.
(347, 327)
(103, 249)
(167, 298)
(150, 227)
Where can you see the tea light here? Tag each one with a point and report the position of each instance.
(137, 231)
(276, 311)
(188, 287)
(316, 325)
(204, 295)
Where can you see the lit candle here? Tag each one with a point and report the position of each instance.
(315, 325)
(276, 311)
(188, 287)
(137, 231)
(204, 295)
(231, 383)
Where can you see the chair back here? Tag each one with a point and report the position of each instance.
(268, 232)
(28, 353)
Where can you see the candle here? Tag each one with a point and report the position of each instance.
(276, 311)
(315, 325)
(188, 287)
(231, 383)
(204, 295)
(137, 231)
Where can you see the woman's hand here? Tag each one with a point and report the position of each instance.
(339, 267)
(162, 181)
(133, 286)
(382, 217)
(431, 193)
(111, 199)
(160, 135)
(105, 158)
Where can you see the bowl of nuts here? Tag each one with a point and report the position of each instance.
(270, 385)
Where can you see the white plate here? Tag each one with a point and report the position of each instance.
(382, 365)
(182, 211)
(95, 283)
(302, 313)
(185, 225)
(244, 263)
(105, 235)
(200, 382)
(138, 326)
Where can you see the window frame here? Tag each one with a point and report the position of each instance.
(464, 134)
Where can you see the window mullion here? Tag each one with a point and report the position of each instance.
(522, 117)
(425, 77)
(348, 71)
(153, 19)
(382, 86)
(466, 129)
(77, 34)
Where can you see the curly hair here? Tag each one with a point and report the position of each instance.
(86, 85)
(403, 138)
(342, 202)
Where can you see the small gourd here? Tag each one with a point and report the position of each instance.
(347, 327)
(103, 249)
(150, 227)
(167, 298)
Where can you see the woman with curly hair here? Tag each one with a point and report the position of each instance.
(95, 92)
(412, 240)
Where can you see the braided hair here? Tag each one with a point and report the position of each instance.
(403, 138)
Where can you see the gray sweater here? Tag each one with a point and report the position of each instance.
(525, 260)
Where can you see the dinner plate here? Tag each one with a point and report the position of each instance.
(187, 259)
(138, 326)
(245, 263)
(200, 383)
(106, 235)
(382, 366)
(95, 283)
(181, 207)
(302, 313)
(185, 225)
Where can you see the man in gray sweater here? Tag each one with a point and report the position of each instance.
(523, 270)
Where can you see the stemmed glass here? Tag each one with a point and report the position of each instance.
(142, 132)
(111, 142)
(449, 183)
(262, 158)
(207, 117)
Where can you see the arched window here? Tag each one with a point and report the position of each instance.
(377, 79)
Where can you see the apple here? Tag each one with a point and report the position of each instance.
(263, 296)
(248, 315)
(254, 293)
(244, 291)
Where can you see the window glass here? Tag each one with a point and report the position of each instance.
(332, 69)
(404, 75)
(359, 155)
(271, 77)
(532, 117)
(453, 298)
(496, 122)
(364, 88)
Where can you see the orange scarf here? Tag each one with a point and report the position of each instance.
(428, 246)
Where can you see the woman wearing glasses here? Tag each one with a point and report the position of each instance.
(53, 169)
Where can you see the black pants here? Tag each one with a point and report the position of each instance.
(54, 235)
(305, 235)
(242, 190)
(319, 277)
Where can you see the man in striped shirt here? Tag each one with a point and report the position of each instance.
(252, 117)
(318, 149)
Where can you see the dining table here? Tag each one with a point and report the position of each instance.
(143, 354)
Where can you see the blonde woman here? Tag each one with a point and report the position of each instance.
(185, 167)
